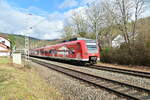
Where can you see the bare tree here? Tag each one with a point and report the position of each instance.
(67, 32)
(109, 22)
(79, 23)
(95, 17)
(122, 13)
(139, 6)
(124, 7)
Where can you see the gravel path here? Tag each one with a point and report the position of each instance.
(71, 88)
(130, 67)
(133, 80)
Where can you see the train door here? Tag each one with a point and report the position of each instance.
(78, 51)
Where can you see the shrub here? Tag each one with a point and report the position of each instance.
(140, 56)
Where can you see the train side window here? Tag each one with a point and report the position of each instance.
(55, 52)
(46, 52)
(42, 52)
(50, 51)
(70, 52)
(73, 52)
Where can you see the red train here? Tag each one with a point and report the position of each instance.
(78, 50)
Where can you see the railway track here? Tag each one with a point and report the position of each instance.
(123, 89)
(123, 71)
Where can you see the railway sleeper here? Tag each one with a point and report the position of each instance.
(100, 85)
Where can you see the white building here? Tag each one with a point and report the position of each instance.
(118, 40)
(5, 46)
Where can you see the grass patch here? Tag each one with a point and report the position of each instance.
(5, 60)
(24, 84)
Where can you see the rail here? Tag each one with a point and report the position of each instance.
(122, 71)
(122, 89)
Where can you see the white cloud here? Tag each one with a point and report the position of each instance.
(86, 2)
(80, 10)
(12, 20)
(55, 16)
(146, 9)
(68, 4)
(146, 13)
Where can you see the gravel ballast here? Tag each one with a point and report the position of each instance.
(133, 80)
(73, 89)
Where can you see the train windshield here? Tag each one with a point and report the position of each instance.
(91, 46)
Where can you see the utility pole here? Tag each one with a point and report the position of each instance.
(27, 45)
(27, 40)
(26, 48)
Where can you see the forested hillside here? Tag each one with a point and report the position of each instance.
(19, 40)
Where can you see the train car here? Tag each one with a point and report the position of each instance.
(77, 50)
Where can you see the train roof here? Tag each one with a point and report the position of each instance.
(58, 44)
(73, 40)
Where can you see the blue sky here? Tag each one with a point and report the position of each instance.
(48, 16)
(49, 6)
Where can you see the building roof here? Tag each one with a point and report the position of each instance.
(3, 45)
(6, 47)
(5, 38)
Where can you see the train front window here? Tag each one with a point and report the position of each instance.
(91, 46)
